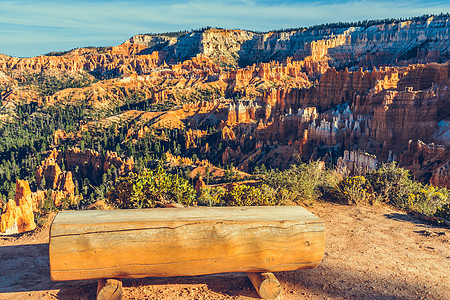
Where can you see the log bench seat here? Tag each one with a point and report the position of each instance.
(164, 242)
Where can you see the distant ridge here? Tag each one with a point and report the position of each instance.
(346, 44)
(363, 23)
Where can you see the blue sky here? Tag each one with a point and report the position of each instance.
(33, 27)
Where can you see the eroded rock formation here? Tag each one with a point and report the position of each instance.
(441, 176)
(50, 176)
(277, 97)
(18, 215)
(421, 40)
(356, 163)
(92, 164)
(122, 59)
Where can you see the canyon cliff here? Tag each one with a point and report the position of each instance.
(356, 95)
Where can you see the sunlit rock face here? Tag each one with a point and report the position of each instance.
(419, 41)
(91, 164)
(378, 111)
(18, 216)
(49, 172)
(356, 163)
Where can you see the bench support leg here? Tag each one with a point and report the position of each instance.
(109, 289)
(266, 284)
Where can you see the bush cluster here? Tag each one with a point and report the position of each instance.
(443, 212)
(239, 195)
(147, 189)
(302, 184)
(394, 185)
(354, 190)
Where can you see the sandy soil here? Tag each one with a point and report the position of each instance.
(371, 253)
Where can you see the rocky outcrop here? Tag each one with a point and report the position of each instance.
(242, 112)
(378, 111)
(18, 216)
(192, 136)
(185, 79)
(231, 155)
(175, 160)
(427, 161)
(200, 184)
(50, 176)
(151, 41)
(441, 176)
(420, 40)
(356, 163)
(5, 80)
(223, 45)
(404, 115)
(228, 134)
(59, 135)
(86, 164)
(91, 164)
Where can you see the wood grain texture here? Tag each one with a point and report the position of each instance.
(109, 289)
(266, 284)
(183, 241)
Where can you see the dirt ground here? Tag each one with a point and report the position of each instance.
(372, 252)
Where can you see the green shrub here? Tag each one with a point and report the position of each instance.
(48, 205)
(147, 189)
(394, 185)
(303, 183)
(119, 195)
(427, 199)
(211, 196)
(244, 195)
(354, 190)
(45, 208)
(390, 184)
(240, 195)
(443, 212)
(68, 203)
(39, 219)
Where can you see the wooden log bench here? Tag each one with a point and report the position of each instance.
(164, 242)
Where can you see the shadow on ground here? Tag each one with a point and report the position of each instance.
(229, 284)
(408, 218)
(25, 268)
